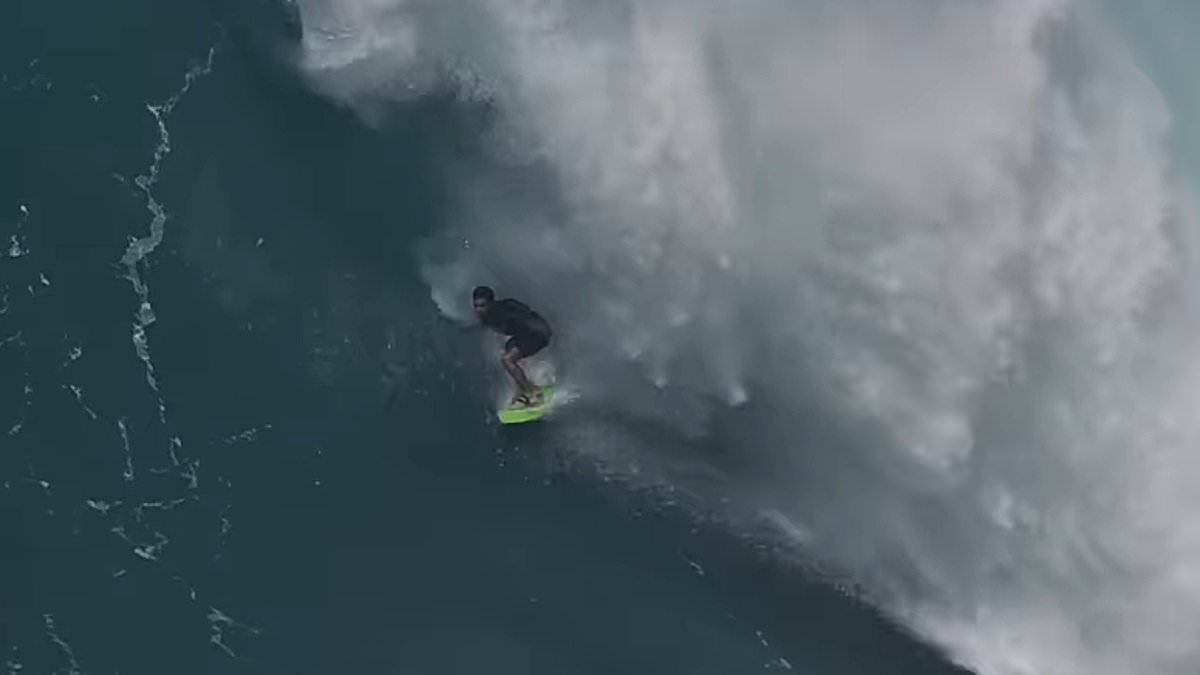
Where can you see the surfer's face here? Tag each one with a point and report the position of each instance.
(481, 306)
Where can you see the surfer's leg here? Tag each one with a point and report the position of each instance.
(510, 362)
(529, 345)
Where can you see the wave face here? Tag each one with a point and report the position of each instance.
(914, 279)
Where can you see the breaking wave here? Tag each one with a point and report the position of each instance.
(921, 273)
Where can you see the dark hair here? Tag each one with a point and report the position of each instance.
(483, 292)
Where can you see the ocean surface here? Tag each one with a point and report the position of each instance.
(877, 321)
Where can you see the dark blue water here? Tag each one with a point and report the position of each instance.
(298, 473)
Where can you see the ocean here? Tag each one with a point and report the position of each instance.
(876, 321)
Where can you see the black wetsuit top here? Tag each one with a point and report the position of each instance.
(526, 328)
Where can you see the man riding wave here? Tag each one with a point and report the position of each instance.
(528, 333)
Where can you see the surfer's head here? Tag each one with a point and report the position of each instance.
(481, 298)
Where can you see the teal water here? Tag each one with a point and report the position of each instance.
(242, 432)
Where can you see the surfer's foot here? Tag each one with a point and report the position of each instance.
(528, 399)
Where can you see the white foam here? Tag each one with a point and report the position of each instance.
(126, 450)
(219, 623)
(67, 653)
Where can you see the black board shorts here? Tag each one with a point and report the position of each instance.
(527, 344)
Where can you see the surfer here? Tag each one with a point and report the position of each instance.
(528, 333)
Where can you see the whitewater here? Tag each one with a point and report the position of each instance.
(911, 281)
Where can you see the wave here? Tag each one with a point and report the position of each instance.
(917, 276)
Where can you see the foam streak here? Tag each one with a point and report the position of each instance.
(140, 248)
